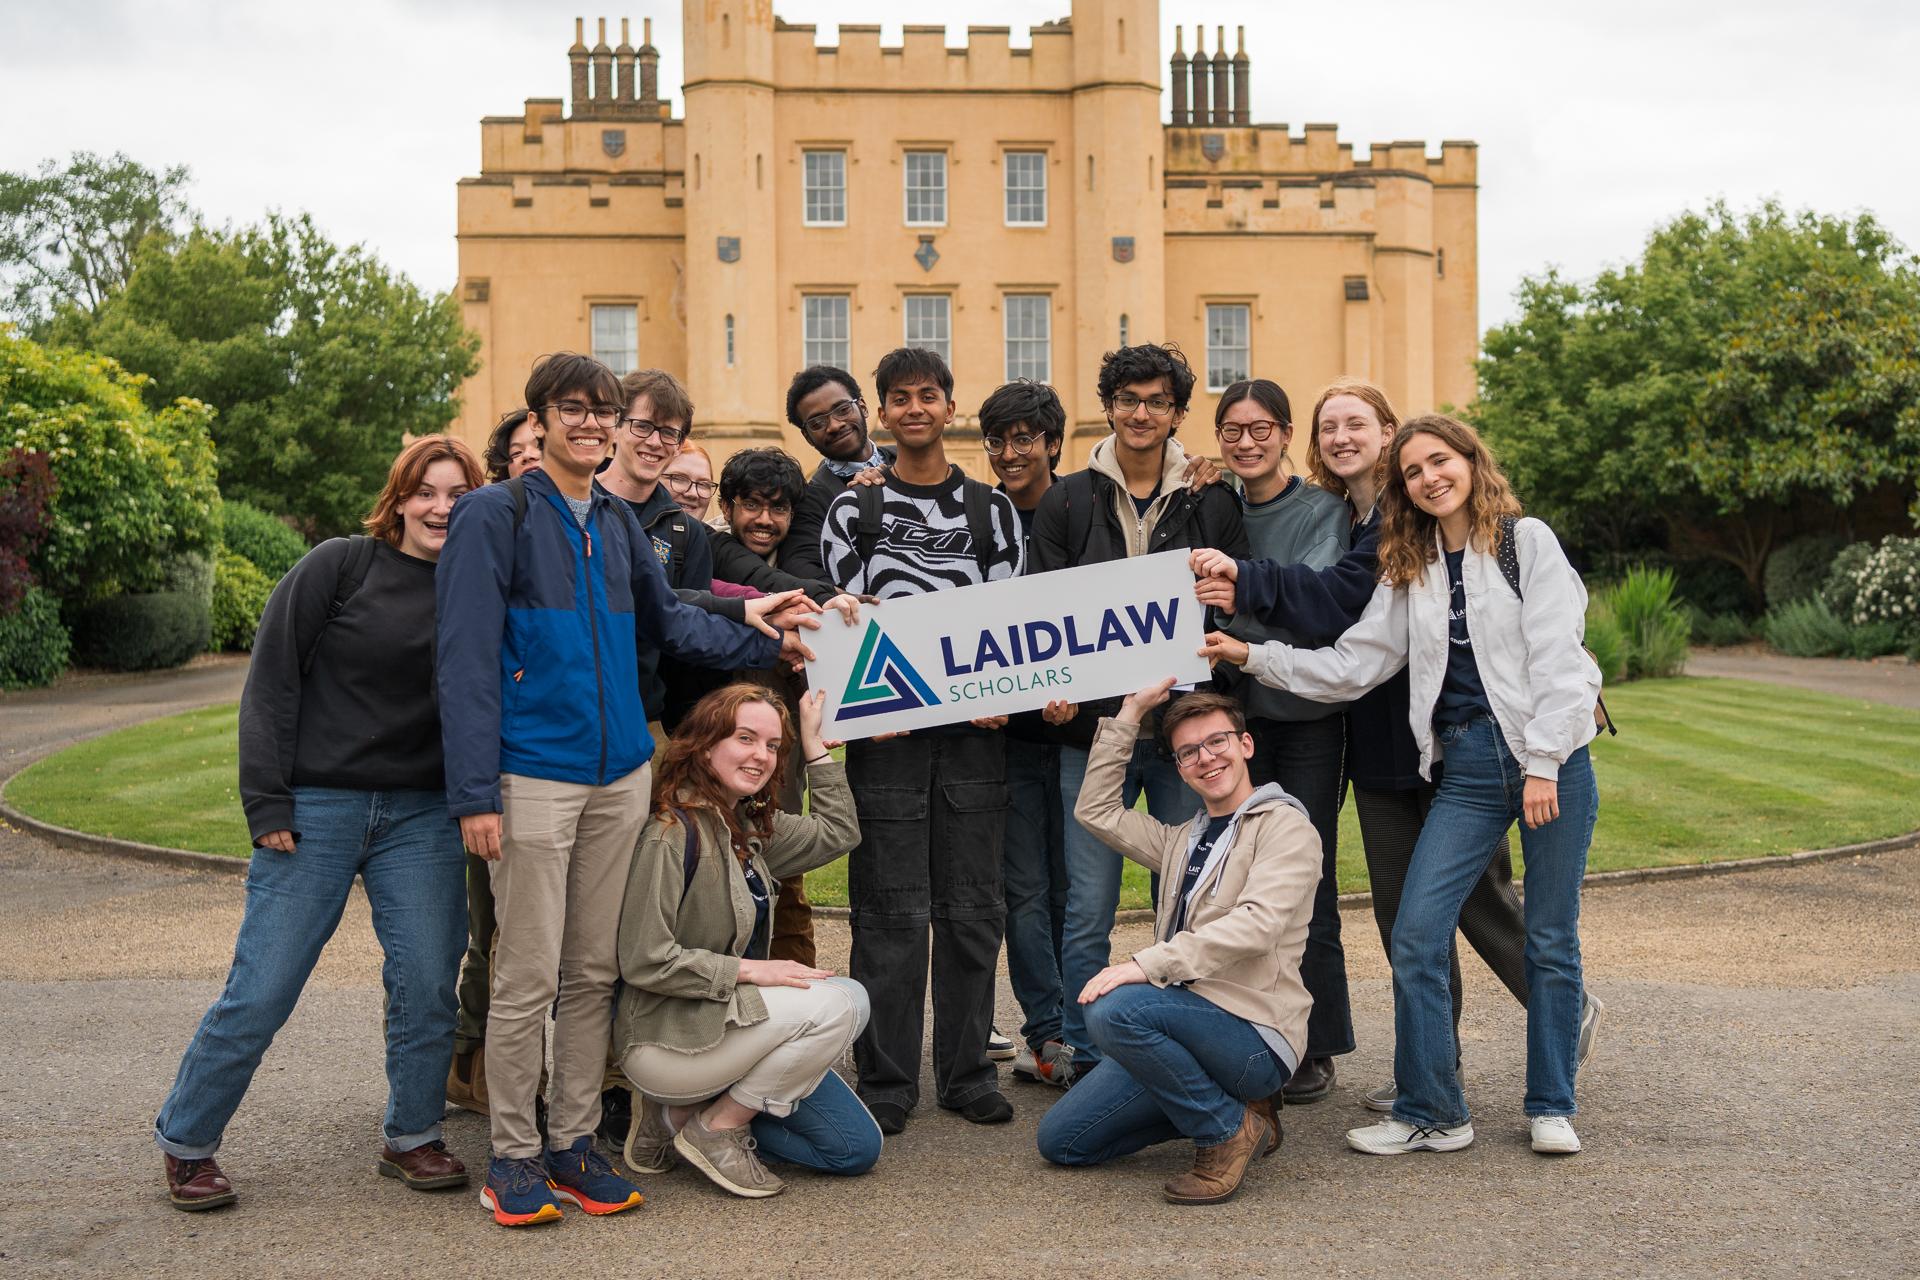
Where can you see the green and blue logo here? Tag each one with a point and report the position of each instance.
(882, 680)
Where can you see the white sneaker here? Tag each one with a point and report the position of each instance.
(1397, 1137)
(1590, 1013)
(1554, 1136)
(999, 1048)
(1381, 1099)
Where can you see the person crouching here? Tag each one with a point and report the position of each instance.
(1199, 1031)
(731, 1054)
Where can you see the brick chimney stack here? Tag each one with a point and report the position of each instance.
(1199, 69)
(1222, 68)
(649, 65)
(623, 72)
(1178, 63)
(1242, 91)
(577, 57)
(602, 71)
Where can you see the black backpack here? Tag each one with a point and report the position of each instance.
(869, 523)
(1508, 554)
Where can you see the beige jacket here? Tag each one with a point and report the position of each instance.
(681, 938)
(1173, 478)
(1246, 925)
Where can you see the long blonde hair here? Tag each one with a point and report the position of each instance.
(1407, 541)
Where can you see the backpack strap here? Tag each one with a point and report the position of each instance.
(977, 499)
(1079, 492)
(868, 525)
(353, 572)
(517, 486)
(691, 859)
(1508, 554)
(677, 558)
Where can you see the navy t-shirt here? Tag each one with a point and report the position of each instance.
(1196, 862)
(1140, 505)
(762, 903)
(1462, 696)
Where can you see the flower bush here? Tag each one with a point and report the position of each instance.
(1886, 586)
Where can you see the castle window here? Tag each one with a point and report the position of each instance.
(825, 329)
(1229, 341)
(729, 340)
(926, 188)
(1026, 188)
(1029, 322)
(616, 337)
(1123, 330)
(929, 324)
(826, 188)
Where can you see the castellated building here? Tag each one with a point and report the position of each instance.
(1019, 210)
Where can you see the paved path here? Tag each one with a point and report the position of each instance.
(79, 706)
(1890, 680)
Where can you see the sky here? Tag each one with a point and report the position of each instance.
(1595, 122)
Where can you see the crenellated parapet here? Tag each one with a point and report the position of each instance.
(922, 61)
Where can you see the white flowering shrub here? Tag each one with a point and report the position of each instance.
(1885, 585)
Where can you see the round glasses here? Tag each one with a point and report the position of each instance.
(1260, 429)
(1022, 445)
(572, 413)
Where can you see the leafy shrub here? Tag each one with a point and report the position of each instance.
(1652, 622)
(33, 644)
(1889, 585)
(26, 487)
(1605, 640)
(1842, 587)
(240, 592)
(1807, 629)
(190, 574)
(271, 546)
(142, 631)
(1874, 639)
(1721, 629)
(1715, 586)
(1799, 568)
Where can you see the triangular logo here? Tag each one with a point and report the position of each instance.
(882, 680)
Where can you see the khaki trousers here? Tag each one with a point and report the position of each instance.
(565, 849)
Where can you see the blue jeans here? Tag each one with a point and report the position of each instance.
(406, 848)
(1034, 878)
(1176, 1065)
(1479, 798)
(1093, 876)
(828, 1130)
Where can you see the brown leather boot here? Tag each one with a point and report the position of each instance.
(194, 1185)
(425, 1168)
(467, 1080)
(1217, 1171)
(1269, 1109)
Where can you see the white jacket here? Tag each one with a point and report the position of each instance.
(1540, 682)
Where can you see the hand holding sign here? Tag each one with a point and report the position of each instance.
(1221, 647)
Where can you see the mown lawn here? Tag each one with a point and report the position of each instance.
(1703, 770)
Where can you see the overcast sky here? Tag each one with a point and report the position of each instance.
(1595, 122)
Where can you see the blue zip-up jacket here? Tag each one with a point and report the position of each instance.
(1318, 605)
(538, 632)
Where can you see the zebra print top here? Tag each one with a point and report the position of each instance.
(924, 544)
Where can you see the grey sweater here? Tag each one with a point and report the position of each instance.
(1305, 525)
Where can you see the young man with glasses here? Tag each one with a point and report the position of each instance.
(1199, 1031)
(1133, 499)
(932, 805)
(825, 404)
(546, 592)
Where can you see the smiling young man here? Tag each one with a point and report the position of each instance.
(545, 593)
(932, 805)
(1201, 1029)
(1133, 499)
(825, 404)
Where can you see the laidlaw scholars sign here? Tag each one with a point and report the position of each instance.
(1077, 634)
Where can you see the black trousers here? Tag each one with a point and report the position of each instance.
(1491, 920)
(932, 822)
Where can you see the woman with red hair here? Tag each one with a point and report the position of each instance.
(341, 776)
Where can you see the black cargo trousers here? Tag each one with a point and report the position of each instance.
(932, 812)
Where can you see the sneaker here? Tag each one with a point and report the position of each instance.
(467, 1081)
(1312, 1082)
(649, 1145)
(1397, 1137)
(1554, 1136)
(518, 1192)
(729, 1157)
(1052, 1065)
(988, 1108)
(616, 1116)
(1590, 1012)
(999, 1048)
(1381, 1098)
(890, 1116)
(583, 1177)
(194, 1185)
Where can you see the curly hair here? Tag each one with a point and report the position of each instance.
(501, 440)
(766, 473)
(1130, 365)
(684, 778)
(1375, 399)
(1407, 534)
(407, 473)
(810, 380)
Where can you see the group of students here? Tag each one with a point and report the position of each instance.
(553, 720)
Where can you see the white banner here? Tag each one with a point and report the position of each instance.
(1076, 634)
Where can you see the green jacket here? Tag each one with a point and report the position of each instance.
(681, 940)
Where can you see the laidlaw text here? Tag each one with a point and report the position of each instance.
(1076, 634)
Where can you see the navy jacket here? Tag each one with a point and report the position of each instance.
(538, 636)
(1318, 605)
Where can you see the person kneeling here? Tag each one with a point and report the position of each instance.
(1199, 1031)
(731, 1054)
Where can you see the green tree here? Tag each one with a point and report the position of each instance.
(1751, 377)
(319, 360)
(68, 236)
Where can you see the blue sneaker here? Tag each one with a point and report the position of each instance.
(582, 1176)
(518, 1192)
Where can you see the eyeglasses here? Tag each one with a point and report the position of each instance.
(1214, 744)
(642, 428)
(1261, 429)
(751, 507)
(1022, 445)
(845, 411)
(1125, 402)
(573, 413)
(701, 489)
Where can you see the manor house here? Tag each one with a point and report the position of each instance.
(1020, 210)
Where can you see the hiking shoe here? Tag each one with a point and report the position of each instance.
(1590, 1011)
(1393, 1137)
(1554, 1136)
(194, 1185)
(426, 1168)
(467, 1081)
(1312, 1082)
(988, 1108)
(999, 1048)
(1052, 1065)
(1381, 1098)
(729, 1157)
(1219, 1170)
(582, 1176)
(649, 1146)
(518, 1192)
